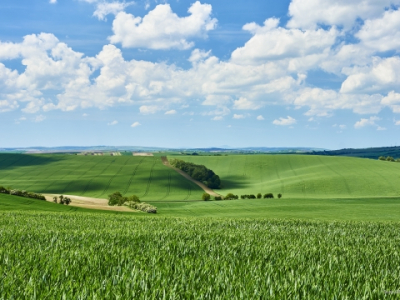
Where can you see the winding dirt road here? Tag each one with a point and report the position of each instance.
(200, 184)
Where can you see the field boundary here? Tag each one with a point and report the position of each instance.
(205, 188)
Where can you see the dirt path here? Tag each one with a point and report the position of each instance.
(88, 202)
(200, 184)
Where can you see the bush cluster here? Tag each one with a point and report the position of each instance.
(63, 200)
(21, 193)
(198, 172)
(133, 202)
(389, 158)
(231, 196)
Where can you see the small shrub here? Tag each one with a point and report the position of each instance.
(382, 158)
(389, 158)
(230, 196)
(145, 207)
(252, 197)
(269, 195)
(206, 197)
(279, 196)
(217, 198)
(259, 196)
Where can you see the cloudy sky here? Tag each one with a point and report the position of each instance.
(179, 73)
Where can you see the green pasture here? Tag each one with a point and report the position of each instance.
(304, 176)
(96, 176)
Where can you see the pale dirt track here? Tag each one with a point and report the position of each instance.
(91, 203)
(200, 184)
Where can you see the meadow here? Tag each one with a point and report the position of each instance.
(96, 176)
(304, 176)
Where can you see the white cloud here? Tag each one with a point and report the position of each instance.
(310, 13)
(198, 55)
(383, 75)
(112, 123)
(380, 128)
(397, 123)
(393, 101)
(136, 124)
(366, 122)
(148, 109)
(105, 8)
(170, 112)
(260, 118)
(383, 33)
(218, 118)
(161, 28)
(284, 122)
(245, 104)
(235, 116)
(270, 42)
(39, 118)
(53, 1)
(85, 115)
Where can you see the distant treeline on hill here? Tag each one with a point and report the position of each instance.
(373, 153)
(198, 172)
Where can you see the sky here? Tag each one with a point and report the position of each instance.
(179, 73)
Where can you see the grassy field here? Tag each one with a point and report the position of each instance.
(302, 176)
(96, 176)
(92, 256)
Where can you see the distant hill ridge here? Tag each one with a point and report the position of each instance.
(373, 153)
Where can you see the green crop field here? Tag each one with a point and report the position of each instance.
(93, 256)
(303, 176)
(96, 176)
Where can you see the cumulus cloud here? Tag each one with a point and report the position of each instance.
(236, 116)
(397, 122)
(148, 109)
(39, 118)
(393, 101)
(311, 13)
(366, 122)
(105, 8)
(218, 118)
(161, 28)
(53, 1)
(271, 42)
(112, 123)
(136, 124)
(170, 112)
(260, 118)
(245, 104)
(284, 121)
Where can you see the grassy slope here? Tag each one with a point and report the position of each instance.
(96, 176)
(302, 176)
(14, 203)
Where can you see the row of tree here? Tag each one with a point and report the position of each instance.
(21, 193)
(230, 196)
(389, 158)
(132, 201)
(198, 172)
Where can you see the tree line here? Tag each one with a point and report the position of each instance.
(198, 172)
(230, 196)
(21, 193)
(388, 158)
(132, 201)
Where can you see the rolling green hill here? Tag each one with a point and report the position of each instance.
(95, 176)
(304, 176)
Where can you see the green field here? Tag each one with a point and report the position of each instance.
(302, 176)
(96, 176)
(93, 256)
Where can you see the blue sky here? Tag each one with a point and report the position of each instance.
(311, 73)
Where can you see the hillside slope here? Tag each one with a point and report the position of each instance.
(304, 176)
(96, 176)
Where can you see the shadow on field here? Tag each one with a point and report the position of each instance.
(233, 182)
(11, 161)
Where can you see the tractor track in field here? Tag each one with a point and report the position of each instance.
(341, 176)
(15, 161)
(132, 176)
(189, 192)
(168, 187)
(150, 179)
(200, 184)
(112, 178)
(87, 186)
